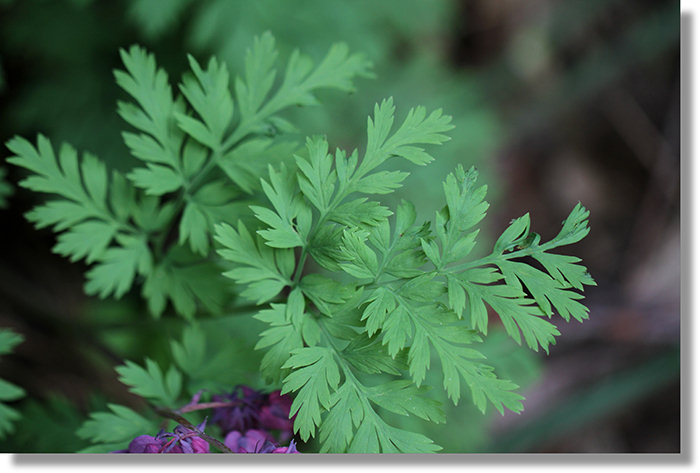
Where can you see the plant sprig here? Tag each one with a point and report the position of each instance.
(359, 300)
(410, 290)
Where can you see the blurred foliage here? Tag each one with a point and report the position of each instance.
(5, 188)
(406, 41)
(606, 397)
(9, 392)
(48, 426)
(505, 71)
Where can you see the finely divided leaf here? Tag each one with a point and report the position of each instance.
(189, 354)
(264, 270)
(374, 435)
(93, 215)
(316, 179)
(335, 71)
(344, 416)
(281, 339)
(417, 129)
(208, 93)
(149, 87)
(258, 104)
(154, 115)
(473, 285)
(289, 223)
(403, 397)
(252, 158)
(259, 75)
(151, 382)
(81, 183)
(314, 377)
(117, 267)
(187, 282)
(115, 429)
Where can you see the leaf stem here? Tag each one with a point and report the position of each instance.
(495, 258)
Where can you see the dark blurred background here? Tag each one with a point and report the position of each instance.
(555, 102)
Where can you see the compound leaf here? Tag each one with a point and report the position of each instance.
(115, 429)
(151, 382)
(314, 377)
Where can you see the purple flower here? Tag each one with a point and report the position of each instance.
(180, 440)
(255, 441)
(244, 411)
(250, 409)
(275, 414)
(144, 444)
(292, 448)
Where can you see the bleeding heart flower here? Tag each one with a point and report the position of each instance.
(255, 441)
(180, 440)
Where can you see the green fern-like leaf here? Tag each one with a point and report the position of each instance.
(202, 148)
(411, 294)
(151, 382)
(358, 300)
(113, 430)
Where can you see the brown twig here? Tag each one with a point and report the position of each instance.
(207, 405)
